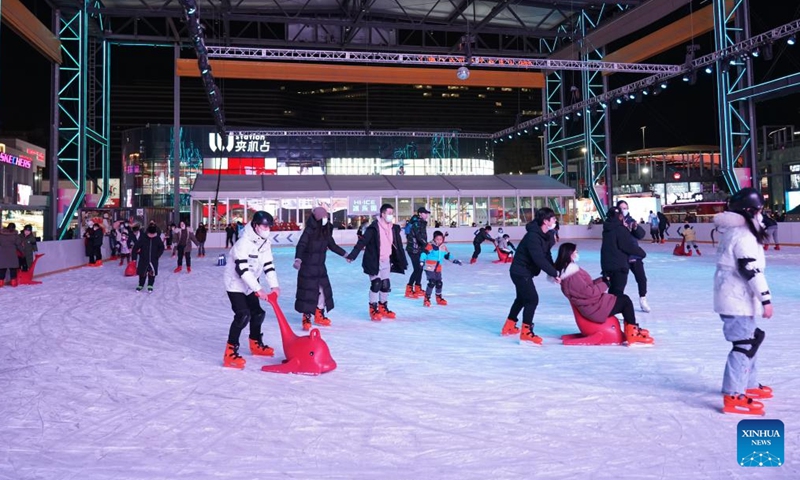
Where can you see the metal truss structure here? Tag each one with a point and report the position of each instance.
(398, 58)
(363, 133)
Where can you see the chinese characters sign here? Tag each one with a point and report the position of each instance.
(364, 205)
(239, 143)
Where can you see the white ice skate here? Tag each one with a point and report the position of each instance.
(643, 304)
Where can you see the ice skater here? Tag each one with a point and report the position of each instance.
(590, 298)
(248, 259)
(148, 251)
(383, 254)
(740, 293)
(416, 240)
(183, 238)
(483, 234)
(689, 239)
(771, 227)
(533, 257)
(431, 260)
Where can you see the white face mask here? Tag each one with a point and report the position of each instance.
(263, 232)
(552, 226)
(324, 221)
(759, 218)
(389, 218)
(576, 257)
(625, 212)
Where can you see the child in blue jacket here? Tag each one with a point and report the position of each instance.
(431, 260)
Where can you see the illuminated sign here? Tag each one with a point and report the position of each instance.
(24, 193)
(364, 205)
(240, 142)
(12, 160)
(37, 154)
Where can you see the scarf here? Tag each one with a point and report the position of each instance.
(385, 239)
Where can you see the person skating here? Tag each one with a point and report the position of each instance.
(201, 234)
(229, 231)
(532, 257)
(504, 244)
(250, 257)
(94, 239)
(636, 261)
(183, 238)
(653, 221)
(689, 239)
(148, 251)
(28, 247)
(483, 234)
(10, 245)
(314, 293)
(740, 293)
(590, 298)
(616, 250)
(383, 253)
(771, 228)
(416, 240)
(431, 260)
(124, 245)
(663, 226)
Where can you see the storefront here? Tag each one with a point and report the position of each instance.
(21, 199)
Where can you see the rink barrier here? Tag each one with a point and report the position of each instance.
(68, 254)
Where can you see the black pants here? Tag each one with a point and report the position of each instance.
(95, 254)
(246, 309)
(416, 275)
(637, 268)
(617, 279)
(183, 253)
(662, 229)
(654, 234)
(527, 299)
(201, 250)
(624, 305)
(477, 251)
(3, 273)
(23, 264)
(151, 278)
(228, 240)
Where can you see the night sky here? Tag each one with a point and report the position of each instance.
(681, 115)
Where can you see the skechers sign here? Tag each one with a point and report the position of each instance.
(12, 160)
(238, 143)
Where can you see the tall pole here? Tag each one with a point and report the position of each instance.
(176, 138)
(643, 127)
(52, 152)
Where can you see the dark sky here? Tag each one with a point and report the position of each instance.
(682, 115)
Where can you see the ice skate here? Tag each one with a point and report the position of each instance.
(766, 247)
(509, 328)
(321, 319)
(232, 359)
(410, 291)
(188, 269)
(635, 336)
(385, 312)
(473, 260)
(120, 262)
(526, 335)
(760, 393)
(139, 288)
(2, 282)
(440, 300)
(14, 282)
(257, 347)
(149, 289)
(644, 305)
(306, 322)
(418, 291)
(777, 247)
(698, 252)
(742, 404)
(177, 269)
(374, 312)
(427, 301)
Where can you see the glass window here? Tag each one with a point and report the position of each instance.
(403, 210)
(236, 210)
(482, 211)
(510, 213)
(436, 207)
(450, 212)
(496, 211)
(391, 201)
(421, 202)
(466, 213)
(525, 210)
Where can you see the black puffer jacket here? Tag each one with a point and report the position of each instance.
(369, 243)
(148, 250)
(417, 238)
(533, 253)
(312, 248)
(618, 246)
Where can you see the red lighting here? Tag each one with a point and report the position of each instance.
(676, 175)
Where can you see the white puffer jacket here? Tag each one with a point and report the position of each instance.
(247, 259)
(740, 287)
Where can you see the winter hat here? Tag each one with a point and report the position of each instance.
(28, 227)
(319, 212)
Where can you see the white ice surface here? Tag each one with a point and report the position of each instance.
(99, 382)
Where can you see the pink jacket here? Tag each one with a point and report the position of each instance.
(587, 295)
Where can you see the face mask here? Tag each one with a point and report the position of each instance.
(576, 257)
(324, 221)
(263, 232)
(551, 227)
(625, 212)
(759, 218)
(389, 218)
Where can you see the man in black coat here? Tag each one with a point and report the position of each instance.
(148, 250)
(483, 234)
(635, 262)
(416, 240)
(95, 246)
(314, 292)
(383, 254)
(532, 257)
(616, 250)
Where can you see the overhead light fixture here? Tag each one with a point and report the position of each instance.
(566, 117)
(619, 101)
(755, 53)
(632, 96)
(685, 77)
(791, 40)
(578, 113)
(709, 69)
(645, 92)
(462, 73)
(663, 85)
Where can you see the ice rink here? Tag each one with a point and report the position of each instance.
(100, 382)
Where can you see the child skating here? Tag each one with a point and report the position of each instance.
(431, 260)
(689, 237)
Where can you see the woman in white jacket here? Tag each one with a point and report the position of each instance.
(249, 257)
(740, 293)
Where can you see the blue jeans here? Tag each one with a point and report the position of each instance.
(740, 371)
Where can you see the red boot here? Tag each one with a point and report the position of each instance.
(509, 328)
(306, 322)
(321, 319)
(418, 291)
(385, 312)
(635, 335)
(410, 291)
(374, 312)
(742, 404)
(2, 282)
(232, 359)
(759, 393)
(14, 282)
(188, 269)
(766, 247)
(473, 260)
(257, 347)
(440, 300)
(777, 247)
(177, 269)
(426, 302)
(527, 336)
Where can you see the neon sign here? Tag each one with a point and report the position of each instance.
(12, 160)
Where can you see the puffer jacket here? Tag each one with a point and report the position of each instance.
(587, 295)
(10, 244)
(417, 237)
(740, 287)
(618, 246)
(249, 257)
(533, 253)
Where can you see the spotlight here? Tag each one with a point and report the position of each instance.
(462, 73)
(526, 130)
(632, 96)
(578, 113)
(645, 92)
(709, 69)
(791, 40)
(619, 101)
(755, 53)
(510, 136)
(519, 133)
(536, 128)
(685, 77)
(663, 85)
(566, 117)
